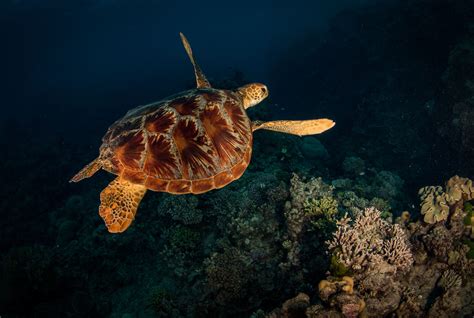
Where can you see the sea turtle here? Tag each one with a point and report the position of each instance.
(191, 142)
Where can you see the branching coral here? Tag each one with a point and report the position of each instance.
(370, 240)
(396, 250)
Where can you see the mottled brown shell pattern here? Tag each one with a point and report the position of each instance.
(190, 143)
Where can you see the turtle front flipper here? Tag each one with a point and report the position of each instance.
(296, 127)
(119, 203)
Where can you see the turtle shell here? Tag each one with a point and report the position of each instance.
(192, 142)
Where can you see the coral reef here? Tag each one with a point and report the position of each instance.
(259, 243)
(408, 269)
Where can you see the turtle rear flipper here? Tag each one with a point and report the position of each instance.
(119, 203)
(296, 127)
(87, 171)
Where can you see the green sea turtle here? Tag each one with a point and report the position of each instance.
(191, 142)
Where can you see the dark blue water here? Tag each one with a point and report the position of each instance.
(396, 76)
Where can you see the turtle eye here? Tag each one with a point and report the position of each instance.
(264, 90)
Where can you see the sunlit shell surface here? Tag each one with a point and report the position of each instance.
(190, 143)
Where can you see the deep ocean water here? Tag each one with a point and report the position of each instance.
(373, 218)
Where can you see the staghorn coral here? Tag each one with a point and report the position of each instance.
(370, 239)
(396, 250)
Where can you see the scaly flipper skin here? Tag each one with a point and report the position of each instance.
(201, 79)
(118, 204)
(87, 171)
(296, 127)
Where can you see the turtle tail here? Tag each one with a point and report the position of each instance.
(87, 171)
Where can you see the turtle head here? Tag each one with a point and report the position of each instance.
(252, 94)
